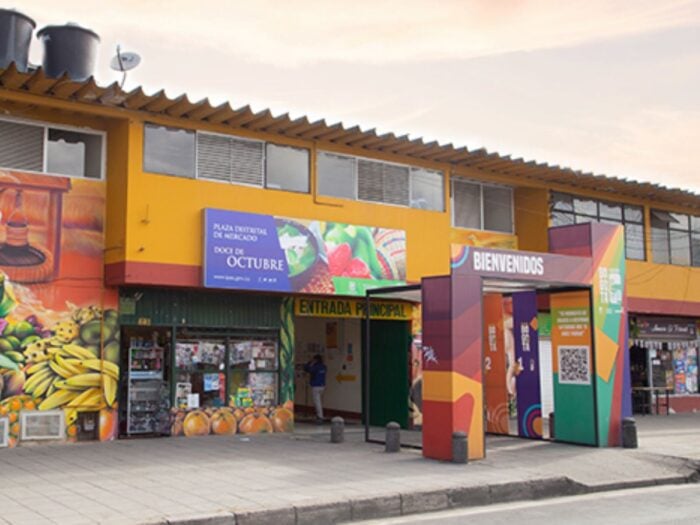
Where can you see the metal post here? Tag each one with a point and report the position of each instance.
(629, 433)
(393, 437)
(365, 367)
(551, 425)
(337, 430)
(460, 447)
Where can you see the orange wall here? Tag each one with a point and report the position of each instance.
(531, 218)
(651, 287)
(164, 221)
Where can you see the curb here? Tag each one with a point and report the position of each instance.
(344, 511)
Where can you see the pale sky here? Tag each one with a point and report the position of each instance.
(606, 86)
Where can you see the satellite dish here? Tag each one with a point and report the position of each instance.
(124, 62)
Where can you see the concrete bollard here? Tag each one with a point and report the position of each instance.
(459, 447)
(629, 433)
(393, 437)
(551, 426)
(337, 430)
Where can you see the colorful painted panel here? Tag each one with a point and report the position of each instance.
(495, 388)
(59, 345)
(525, 371)
(613, 391)
(248, 251)
(415, 401)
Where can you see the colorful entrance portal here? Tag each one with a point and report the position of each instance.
(464, 329)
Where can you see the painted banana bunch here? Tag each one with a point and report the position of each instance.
(72, 376)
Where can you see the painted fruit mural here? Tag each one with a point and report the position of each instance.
(59, 346)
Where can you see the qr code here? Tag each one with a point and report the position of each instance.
(574, 366)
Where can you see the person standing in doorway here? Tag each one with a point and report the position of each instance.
(317, 380)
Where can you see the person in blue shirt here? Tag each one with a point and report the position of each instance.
(317, 380)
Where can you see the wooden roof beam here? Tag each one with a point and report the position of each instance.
(222, 113)
(265, 119)
(160, 103)
(11, 78)
(202, 110)
(332, 135)
(281, 126)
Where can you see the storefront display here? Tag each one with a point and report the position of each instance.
(664, 357)
(222, 378)
(147, 390)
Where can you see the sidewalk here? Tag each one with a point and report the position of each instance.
(302, 478)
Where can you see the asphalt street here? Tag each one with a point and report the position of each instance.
(650, 506)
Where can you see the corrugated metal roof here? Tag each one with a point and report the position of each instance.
(88, 92)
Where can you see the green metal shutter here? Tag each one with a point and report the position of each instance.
(164, 307)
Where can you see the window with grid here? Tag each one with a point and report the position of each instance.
(569, 209)
(356, 178)
(675, 238)
(479, 206)
(51, 150)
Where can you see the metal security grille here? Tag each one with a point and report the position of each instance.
(228, 159)
(21, 146)
(48, 424)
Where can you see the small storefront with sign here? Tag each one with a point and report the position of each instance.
(219, 356)
(334, 328)
(664, 364)
(199, 362)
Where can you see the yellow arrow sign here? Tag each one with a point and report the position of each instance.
(345, 377)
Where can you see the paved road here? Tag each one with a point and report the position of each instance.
(655, 505)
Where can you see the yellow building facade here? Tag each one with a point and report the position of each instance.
(138, 237)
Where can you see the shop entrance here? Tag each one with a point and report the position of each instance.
(336, 330)
(522, 388)
(590, 363)
(338, 341)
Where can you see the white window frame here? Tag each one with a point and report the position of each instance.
(357, 158)
(42, 413)
(354, 158)
(76, 129)
(481, 205)
(264, 164)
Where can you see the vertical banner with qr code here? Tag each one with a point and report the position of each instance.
(574, 398)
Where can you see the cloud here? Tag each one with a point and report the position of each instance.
(366, 31)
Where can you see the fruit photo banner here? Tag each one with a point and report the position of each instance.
(59, 332)
(248, 251)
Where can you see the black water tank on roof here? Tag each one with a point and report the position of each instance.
(69, 49)
(15, 36)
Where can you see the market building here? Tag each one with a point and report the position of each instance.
(169, 266)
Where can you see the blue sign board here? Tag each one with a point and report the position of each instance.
(242, 251)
